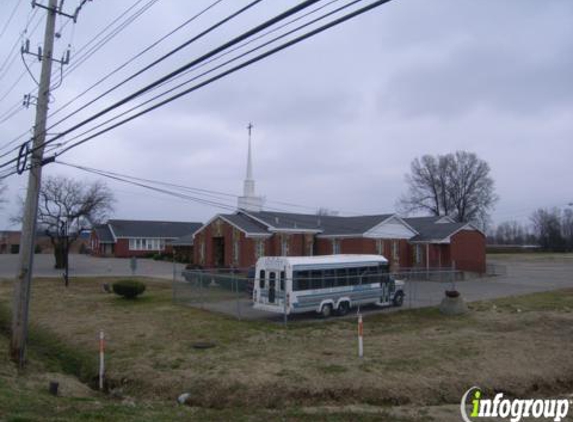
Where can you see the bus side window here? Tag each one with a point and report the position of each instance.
(262, 279)
(329, 280)
(361, 276)
(282, 282)
(341, 277)
(353, 276)
(316, 279)
(369, 275)
(302, 280)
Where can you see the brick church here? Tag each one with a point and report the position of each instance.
(237, 240)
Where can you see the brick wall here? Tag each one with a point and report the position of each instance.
(468, 251)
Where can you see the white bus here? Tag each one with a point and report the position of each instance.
(324, 284)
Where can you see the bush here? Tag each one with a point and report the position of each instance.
(129, 289)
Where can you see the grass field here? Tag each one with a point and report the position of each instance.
(417, 362)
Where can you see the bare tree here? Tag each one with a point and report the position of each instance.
(547, 226)
(457, 185)
(323, 211)
(67, 207)
(2, 192)
(511, 233)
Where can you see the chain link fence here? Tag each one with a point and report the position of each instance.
(231, 292)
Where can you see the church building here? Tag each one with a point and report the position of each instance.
(237, 240)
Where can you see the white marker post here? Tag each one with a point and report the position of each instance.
(360, 337)
(101, 359)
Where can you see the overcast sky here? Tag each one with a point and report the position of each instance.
(338, 118)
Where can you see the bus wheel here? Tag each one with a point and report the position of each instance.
(398, 299)
(326, 310)
(342, 308)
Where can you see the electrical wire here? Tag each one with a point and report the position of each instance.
(132, 59)
(162, 58)
(208, 55)
(286, 216)
(219, 66)
(195, 190)
(7, 24)
(228, 72)
(284, 15)
(100, 44)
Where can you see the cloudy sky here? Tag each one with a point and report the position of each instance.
(338, 118)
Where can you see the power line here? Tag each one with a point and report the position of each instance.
(208, 55)
(82, 58)
(132, 59)
(162, 58)
(10, 18)
(213, 27)
(221, 65)
(137, 181)
(228, 72)
(32, 15)
(196, 190)
(236, 40)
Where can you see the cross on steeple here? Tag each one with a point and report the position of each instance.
(249, 201)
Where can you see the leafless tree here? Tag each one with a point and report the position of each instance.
(67, 207)
(511, 233)
(323, 211)
(547, 226)
(2, 192)
(458, 185)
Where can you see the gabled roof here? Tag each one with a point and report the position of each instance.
(186, 240)
(439, 232)
(104, 234)
(240, 221)
(325, 225)
(151, 229)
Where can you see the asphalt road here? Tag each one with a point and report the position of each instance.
(85, 265)
(524, 275)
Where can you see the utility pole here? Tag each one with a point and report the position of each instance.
(23, 282)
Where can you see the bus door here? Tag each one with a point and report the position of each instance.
(272, 286)
(385, 287)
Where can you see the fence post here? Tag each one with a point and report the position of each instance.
(201, 291)
(285, 305)
(236, 283)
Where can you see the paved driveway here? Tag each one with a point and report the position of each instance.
(85, 265)
(525, 274)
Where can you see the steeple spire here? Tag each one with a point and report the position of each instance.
(249, 157)
(249, 201)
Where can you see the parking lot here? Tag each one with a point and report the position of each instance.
(85, 265)
(525, 274)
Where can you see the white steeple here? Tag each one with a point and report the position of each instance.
(249, 201)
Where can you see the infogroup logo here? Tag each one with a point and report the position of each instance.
(512, 409)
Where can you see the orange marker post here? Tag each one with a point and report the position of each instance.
(360, 337)
(101, 359)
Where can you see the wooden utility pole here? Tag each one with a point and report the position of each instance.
(26, 260)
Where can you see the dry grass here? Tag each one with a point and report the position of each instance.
(532, 257)
(418, 357)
